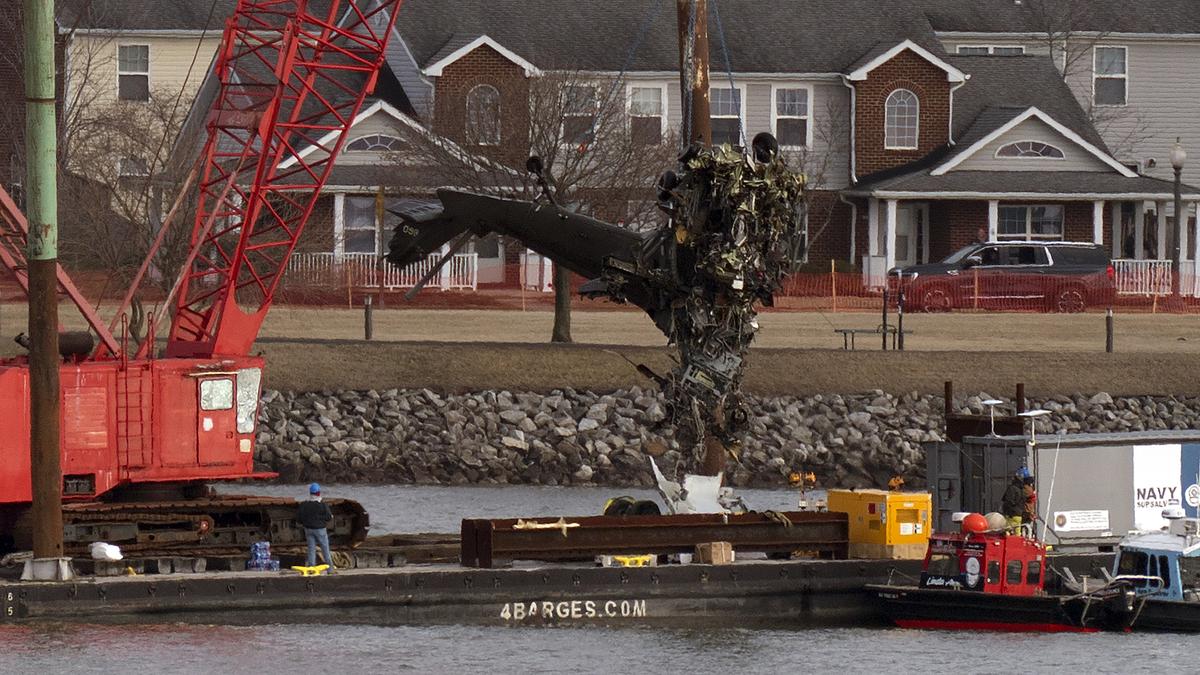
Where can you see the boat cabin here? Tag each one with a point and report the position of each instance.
(1165, 564)
(989, 562)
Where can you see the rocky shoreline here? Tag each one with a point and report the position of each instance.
(570, 437)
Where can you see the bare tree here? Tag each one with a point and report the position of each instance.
(601, 159)
(1070, 31)
(818, 164)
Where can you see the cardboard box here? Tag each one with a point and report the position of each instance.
(714, 553)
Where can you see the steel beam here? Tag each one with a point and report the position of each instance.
(486, 541)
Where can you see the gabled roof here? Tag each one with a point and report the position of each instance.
(434, 161)
(1063, 16)
(461, 45)
(143, 15)
(879, 57)
(990, 116)
(776, 36)
(1078, 185)
(1015, 83)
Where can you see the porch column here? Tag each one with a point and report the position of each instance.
(1098, 222)
(1161, 235)
(993, 220)
(444, 273)
(1139, 233)
(339, 225)
(1196, 252)
(1118, 231)
(890, 238)
(872, 226)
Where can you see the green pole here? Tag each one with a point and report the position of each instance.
(41, 200)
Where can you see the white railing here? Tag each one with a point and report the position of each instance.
(366, 270)
(1153, 277)
(1142, 277)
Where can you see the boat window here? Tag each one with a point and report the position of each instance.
(942, 565)
(1014, 572)
(1033, 573)
(1132, 562)
(1164, 570)
(993, 576)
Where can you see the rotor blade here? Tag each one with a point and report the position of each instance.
(458, 243)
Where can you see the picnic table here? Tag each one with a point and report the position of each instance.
(848, 334)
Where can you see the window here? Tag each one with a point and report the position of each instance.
(1030, 149)
(483, 115)
(487, 246)
(1110, 76)
(901, 114)
(984, 50)
(132, 167)
(725, 115)
(133, 72)
(643, 216)
(646, 118)
(993, 572)
(580, 105)
(358, 235)
(374, 143)
(942, 565)
(1164, 570)
(248, 381)
(1013, 572)
(791, 117)
(1033, 573)
(1031, 222)
(216, 394)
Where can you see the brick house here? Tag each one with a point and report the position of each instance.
(921, 124)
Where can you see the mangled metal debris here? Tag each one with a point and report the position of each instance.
(735, 231)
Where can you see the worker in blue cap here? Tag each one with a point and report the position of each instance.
(1012, 504)
(315, 516)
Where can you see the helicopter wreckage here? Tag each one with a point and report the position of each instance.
(734, 231)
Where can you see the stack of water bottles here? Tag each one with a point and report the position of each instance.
(260, 558)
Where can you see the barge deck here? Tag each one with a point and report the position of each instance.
(792, 593)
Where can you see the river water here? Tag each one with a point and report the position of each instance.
(279, 648)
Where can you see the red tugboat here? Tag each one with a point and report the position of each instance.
(981, 579)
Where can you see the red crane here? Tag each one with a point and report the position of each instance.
(142, 433)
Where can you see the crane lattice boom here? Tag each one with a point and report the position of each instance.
(292, 74)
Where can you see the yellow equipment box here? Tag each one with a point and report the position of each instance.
(885, 524)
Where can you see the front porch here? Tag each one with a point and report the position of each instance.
(1137, 233)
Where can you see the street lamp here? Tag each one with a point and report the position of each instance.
(1178, 157)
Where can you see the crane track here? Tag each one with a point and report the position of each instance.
(225, 523)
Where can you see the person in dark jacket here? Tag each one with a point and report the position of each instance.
(1012, 504)
(315, 515)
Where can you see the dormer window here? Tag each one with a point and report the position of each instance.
(1030, 150)
(374, 143)
(902, 113)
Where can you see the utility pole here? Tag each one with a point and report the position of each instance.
(692, 19)
(693, 71)
(42, 213)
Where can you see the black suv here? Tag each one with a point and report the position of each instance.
(1046, 276)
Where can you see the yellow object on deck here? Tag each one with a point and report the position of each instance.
(634, 560)
(885, 524)
(313, 571)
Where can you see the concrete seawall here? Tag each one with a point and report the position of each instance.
(569, 437)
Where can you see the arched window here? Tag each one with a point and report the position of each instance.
(374, 143)
(901, 115)
(483, 115)
(1027, 149)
